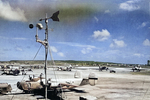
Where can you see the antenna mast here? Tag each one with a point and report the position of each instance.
(45, 42)
(46, 53)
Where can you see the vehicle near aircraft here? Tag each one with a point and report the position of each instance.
(5, 88)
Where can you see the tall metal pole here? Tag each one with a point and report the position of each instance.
(54, 17)
(46, 53)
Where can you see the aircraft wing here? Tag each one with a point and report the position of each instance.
(67, 86)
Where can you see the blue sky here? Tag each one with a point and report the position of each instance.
(90, 30)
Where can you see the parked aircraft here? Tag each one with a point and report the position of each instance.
(137, 68)
(63, 68)
(66, 67)
(56, 85)
(14, 72)
(103, 68)
(5, 88)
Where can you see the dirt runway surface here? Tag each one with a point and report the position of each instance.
(113, 86)
(110, 86)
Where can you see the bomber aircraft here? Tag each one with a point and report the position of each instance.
(37, 85)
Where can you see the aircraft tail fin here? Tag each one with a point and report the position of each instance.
(92, 80)
(84, 82)
(78, 74)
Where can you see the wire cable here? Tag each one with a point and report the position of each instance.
(54, 67)
(26, 72)
(37, 52)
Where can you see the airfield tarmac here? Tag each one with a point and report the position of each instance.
(121, 85)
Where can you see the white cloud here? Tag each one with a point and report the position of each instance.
(60, 54)
(2, 37)
(121, 37)
(117, 43)
(143, 25)
(130, 5)
(86, 50)
(96, 19)
(12, 14)
(18, 49)
(107, 11)
(56, 51)
(77, 45)
(101, 35)
(138, 55)
(53, 49)
(146, 42)
(19, 38)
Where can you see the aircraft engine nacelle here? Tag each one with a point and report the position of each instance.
(92, 80)
(29, 86)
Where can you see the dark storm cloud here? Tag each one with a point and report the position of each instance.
(35, 9)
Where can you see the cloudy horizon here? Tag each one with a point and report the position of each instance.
(105, 31)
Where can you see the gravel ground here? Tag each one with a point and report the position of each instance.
(110, 86)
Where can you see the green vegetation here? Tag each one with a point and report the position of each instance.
(58, 62)
(72, 62)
